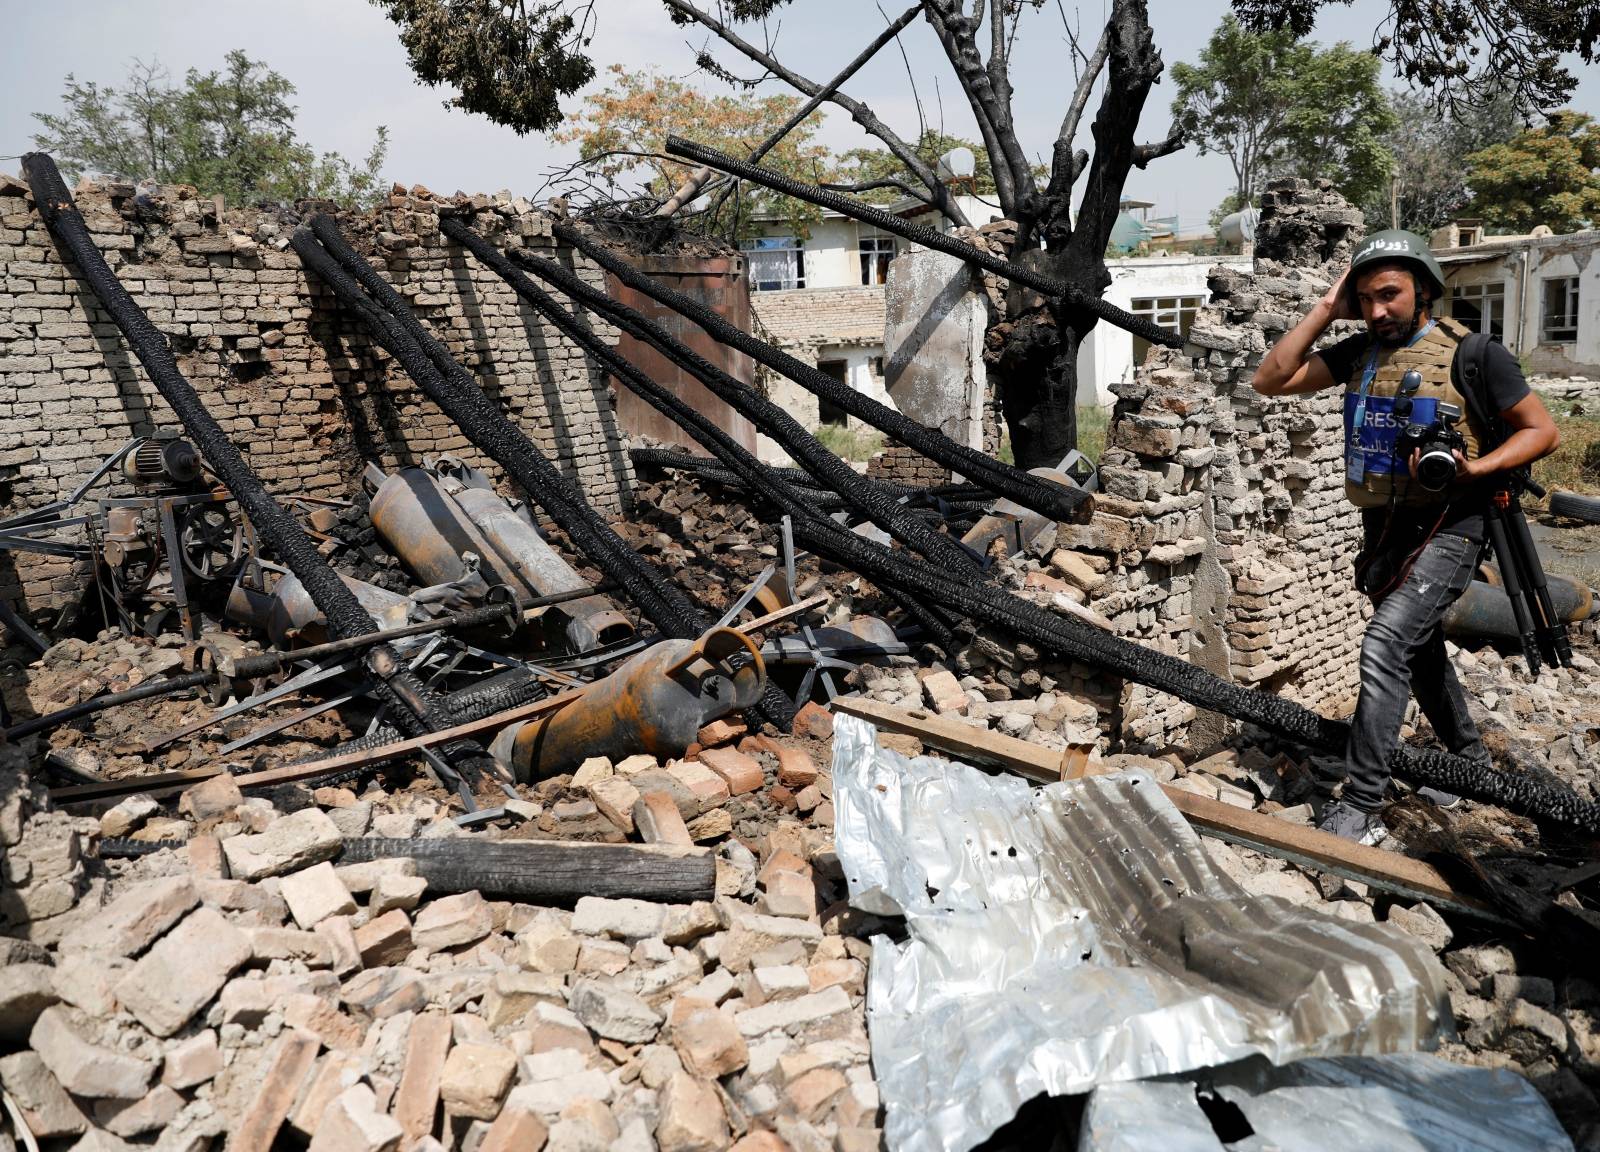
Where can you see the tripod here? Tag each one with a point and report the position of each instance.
(1542, 633)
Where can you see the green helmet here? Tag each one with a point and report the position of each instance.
(1397, 246)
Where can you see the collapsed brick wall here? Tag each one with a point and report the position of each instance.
(1224, 520)
(306, 395)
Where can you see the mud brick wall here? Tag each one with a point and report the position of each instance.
(1223, 518)
(307, 397)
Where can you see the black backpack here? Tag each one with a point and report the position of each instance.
(1468, 372)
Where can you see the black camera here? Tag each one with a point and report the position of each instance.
(1437, 440)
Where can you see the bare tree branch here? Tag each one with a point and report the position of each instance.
(956, 33)
(869, 185)
(1080, 98)
(1144, 153)
(859, 112)
(691, 187)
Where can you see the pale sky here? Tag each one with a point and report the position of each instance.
(345, 60)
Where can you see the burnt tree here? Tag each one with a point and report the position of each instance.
(1034, 345)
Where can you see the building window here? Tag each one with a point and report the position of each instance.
(1174, 313)
(876, 252)
(877, 366)
(776, 263)
(1560, 310)
(1481, 307)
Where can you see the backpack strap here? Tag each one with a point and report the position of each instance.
(1469, 372)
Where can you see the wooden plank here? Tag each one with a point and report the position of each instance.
(1388, 871)
(177, 781)
(974, 745)
(1323, 851)
(797, 609)
(551, 871)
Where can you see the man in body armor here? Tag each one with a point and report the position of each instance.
(1421, 467)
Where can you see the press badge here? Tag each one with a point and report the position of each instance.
(1355, 461)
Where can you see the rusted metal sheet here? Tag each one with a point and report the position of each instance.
(718, 283)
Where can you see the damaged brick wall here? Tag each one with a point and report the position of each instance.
(1224, 521)
(307, 396)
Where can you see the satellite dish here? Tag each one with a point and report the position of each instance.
(1540, 231)
(957, 164)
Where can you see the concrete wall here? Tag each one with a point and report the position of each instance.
(304, 393)
(1105, 359)
(933, 341)
(1526, 264)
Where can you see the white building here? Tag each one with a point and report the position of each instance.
(1539, 294)
(1164, 289)
(820, 298)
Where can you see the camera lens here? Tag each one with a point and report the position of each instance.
(1436, 470)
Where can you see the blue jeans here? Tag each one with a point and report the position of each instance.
(1402, 655)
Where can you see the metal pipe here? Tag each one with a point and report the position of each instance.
(655, 703)
(591, 621)
(145, 691)
(214, 664)
(1485, 611)
(997, 477)
(927, 237)
(432, 528)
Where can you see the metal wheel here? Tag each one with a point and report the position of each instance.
(212, 541)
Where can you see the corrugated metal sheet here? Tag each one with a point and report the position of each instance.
(1405, 1103)
(1077, 935)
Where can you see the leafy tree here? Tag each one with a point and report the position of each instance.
(510, 60)
(228, 133)
(1464, 50)
(877, 175)
(1234, 100)
(1033, 352)
(1548, 175)
(1278, 107)
(1427, 185)
(1336, 120)
(621, 131)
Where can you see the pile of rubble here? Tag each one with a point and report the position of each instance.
(247, 983)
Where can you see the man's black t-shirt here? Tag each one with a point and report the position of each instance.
(1463, 516)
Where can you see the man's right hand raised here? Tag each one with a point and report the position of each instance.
(1337, 301)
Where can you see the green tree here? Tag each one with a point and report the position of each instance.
(1234, 100)
(1548, 175)
(1338, 115)
(1464, 50)
(882, 178)
(1275, 106)
(510, 60)
(1427, 185)
(621, 130)
(228, 132)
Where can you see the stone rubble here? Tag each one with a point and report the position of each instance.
(256, 986)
